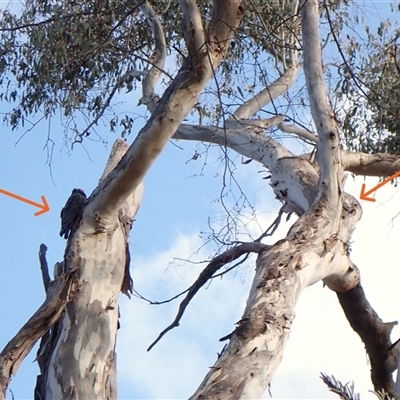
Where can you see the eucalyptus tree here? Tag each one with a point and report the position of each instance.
(235, 66)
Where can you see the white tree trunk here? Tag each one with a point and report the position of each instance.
(82, 361)
(79, 353)
(78, 356)
(315, 248)
(82, 354)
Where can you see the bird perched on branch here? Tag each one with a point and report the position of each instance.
(72, 211)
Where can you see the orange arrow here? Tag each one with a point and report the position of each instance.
(44, 206)
(364, 195)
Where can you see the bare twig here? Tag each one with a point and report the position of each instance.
(274, 226)
(206, 275)
(79, 136)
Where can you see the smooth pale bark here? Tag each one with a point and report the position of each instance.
(256, 125)
(255, 146)
(246, 367)
(81, 356)
(177, 101)
(81, 361)
(17, 348)
(294, 180)
(158, 58)
(295, 130)
(380, 164)
(267, 95)
(314, 250)
(328, 152)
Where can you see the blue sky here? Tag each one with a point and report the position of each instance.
(176, 205)
(174, 211)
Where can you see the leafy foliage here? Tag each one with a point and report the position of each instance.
(345, 392)
(69, 55)
(368, 87)
(75, 57)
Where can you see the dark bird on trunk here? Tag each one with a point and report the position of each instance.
(71, 212)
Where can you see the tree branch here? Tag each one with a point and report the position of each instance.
(207, 274)
(246, 366)
(267, 95)
(149, 98)
(44, 266)
(328, 152)
(262, 124)
(381, 164)
(375, 335)
(259, 125)
(294, 180)
(41, 321)
(258, 147)
(177, 101)
(192, 28)
(300, 132)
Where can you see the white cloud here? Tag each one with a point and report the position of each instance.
(321, 339)
(176, 365)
